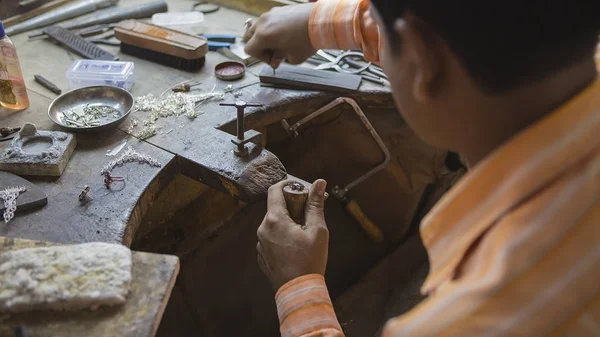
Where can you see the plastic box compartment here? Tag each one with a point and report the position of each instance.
(85, 73)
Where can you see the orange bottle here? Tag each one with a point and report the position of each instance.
(13, 94)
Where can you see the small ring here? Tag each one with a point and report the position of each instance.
(247, 24)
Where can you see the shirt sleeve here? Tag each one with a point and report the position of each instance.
(305, 310)
(344, 24)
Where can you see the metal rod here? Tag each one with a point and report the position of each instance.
(240, 122)
(47, 84)
(370, 128)
(60, 14)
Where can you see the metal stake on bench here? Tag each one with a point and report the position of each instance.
(242, 137)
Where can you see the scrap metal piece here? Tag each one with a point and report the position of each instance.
(9, 197)
(84, 196)
(5, 132)
(44, 82)
(128, 157)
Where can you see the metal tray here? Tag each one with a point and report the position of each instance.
(76, 100)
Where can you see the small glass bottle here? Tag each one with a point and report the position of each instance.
(13, 94)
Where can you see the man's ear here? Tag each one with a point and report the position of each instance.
(422, 44)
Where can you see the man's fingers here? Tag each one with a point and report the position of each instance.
(276, 61)
(257, 47)
(250, 26)
(315, 204)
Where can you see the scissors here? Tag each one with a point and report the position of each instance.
(334, 63)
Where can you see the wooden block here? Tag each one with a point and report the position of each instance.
(296, 77)
(161, 39)
(38, 153)
(31, 198)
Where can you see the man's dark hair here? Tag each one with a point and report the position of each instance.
(506, 43)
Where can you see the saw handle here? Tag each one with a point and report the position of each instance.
(372, 231)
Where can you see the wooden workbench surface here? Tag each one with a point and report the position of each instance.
(181, 143)
(153, 277)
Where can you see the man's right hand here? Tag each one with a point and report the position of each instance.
(281, 33)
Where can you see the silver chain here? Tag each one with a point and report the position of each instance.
(130, 156)
(10, 196)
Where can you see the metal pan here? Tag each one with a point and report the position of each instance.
(76, 101)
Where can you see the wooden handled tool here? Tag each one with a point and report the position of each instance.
(296, 194)
(356, 212)
(372, 231)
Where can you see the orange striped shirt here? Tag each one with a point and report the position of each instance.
(514, 247)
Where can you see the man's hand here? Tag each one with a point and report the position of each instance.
(281, 33)
(287, 250)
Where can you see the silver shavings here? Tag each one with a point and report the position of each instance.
(175, 104)
(234, 91)
(132, 124)
(148, 131)
(192, 114)
(89, 116)
(9, 196)
(128, 157)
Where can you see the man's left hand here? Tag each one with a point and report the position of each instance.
(287, 250)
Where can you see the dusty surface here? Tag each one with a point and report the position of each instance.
(64, 277)
(153, 277)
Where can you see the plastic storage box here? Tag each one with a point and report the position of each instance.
(188, 22)
(85, 73)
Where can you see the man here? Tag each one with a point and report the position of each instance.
(514, 247)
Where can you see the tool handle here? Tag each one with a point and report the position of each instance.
(47, 84)
(372, 231)
(295, 201)
(219, 37)
(216, 45)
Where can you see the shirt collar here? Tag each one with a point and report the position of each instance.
(505, 178)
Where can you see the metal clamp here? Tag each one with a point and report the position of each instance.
(242, 137)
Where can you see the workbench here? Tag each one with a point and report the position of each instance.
(199, 148)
